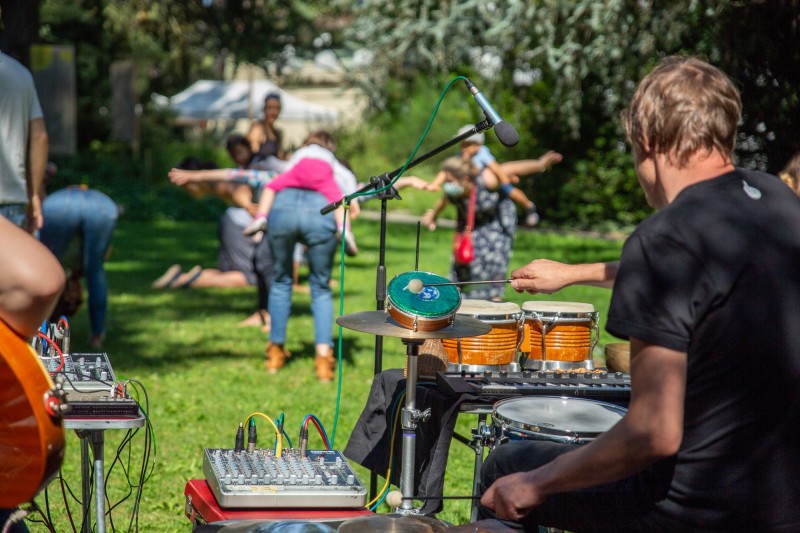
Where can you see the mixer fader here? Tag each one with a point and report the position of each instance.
(321, 478)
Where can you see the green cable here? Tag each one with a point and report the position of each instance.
(342, 251)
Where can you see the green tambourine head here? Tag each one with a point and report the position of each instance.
(408, 293)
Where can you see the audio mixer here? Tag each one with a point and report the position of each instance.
(260, 479)
(81, 371)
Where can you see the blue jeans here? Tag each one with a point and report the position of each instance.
(89, 216)
(16, 213)
(294, 218)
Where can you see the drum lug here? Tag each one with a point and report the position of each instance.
(483, 436)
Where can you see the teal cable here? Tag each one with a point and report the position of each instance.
(342, 247)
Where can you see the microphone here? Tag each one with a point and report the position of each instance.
(505, 132)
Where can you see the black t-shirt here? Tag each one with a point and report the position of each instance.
(716, 274)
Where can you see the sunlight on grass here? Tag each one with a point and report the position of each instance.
(204, 374)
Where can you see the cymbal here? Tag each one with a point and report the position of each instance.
(381, 323)
(388, 523)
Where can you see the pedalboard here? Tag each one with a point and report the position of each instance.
(260, 479)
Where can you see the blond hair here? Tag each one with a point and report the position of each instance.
(790, 175)
(459, 167)
(322, 138)
(684, 106)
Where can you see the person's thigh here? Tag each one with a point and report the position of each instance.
(236, 250)
(99, 218)
(624, 505)
(284, 230)
(62, 219)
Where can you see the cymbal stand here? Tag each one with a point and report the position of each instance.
(409, 420)
(377, 183)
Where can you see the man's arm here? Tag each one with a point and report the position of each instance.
(38, 145)
(546, 276)
(31, 282)
(651, 430)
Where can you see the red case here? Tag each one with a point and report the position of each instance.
(202, 508)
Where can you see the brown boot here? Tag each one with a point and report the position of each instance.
(276, 357)
(324, 363)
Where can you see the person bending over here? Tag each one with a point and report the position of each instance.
(312, 168)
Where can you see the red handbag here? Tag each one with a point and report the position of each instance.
(463, 249)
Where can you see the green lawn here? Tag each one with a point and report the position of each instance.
(204, 374)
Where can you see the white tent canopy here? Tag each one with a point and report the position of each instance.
(242, 99)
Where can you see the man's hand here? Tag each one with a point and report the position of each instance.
(541, 276)
(35, 219)
(512, 497)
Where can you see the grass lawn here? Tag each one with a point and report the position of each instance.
(204, 375)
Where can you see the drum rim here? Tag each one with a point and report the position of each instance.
(495, 318)
(567, 304)
(505, 422)
(562, 317)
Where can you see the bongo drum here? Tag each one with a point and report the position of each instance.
(495, 350)
(559, 335)
(566, 420)
(427, 309)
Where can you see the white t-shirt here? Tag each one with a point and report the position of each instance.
(19, 105)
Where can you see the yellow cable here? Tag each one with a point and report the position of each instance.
(391, 453)
(279, 449)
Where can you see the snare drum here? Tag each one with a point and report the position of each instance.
(498, 347)
(559, 334)
(428, 309)
(567, 420)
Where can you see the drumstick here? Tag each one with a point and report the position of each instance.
(395, 498)
(467, 282)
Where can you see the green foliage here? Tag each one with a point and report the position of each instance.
(140, 185)
(171, 43)
(386, 140)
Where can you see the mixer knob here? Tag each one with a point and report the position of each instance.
(526, 374)
(321, 460)
(603, 375)
(253, 479)
(351, 479)
(227, 479)
(240, 480)
(292, 479)
(503, 374)
(318, 480)
(573, 375)
(487, 373)
(305, 479)
(619, 375)
(334, 479)
(279, 480)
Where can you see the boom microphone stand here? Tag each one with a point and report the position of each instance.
(386, 192)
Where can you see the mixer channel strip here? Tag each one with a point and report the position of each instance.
(259, 479)
(594, 385)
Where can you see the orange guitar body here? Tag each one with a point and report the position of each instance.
(31, 439)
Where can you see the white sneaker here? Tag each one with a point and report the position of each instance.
(350, 247)
(258, 224)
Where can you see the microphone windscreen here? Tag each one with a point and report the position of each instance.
(506, 133)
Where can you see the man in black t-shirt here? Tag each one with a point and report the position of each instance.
(707, 292)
